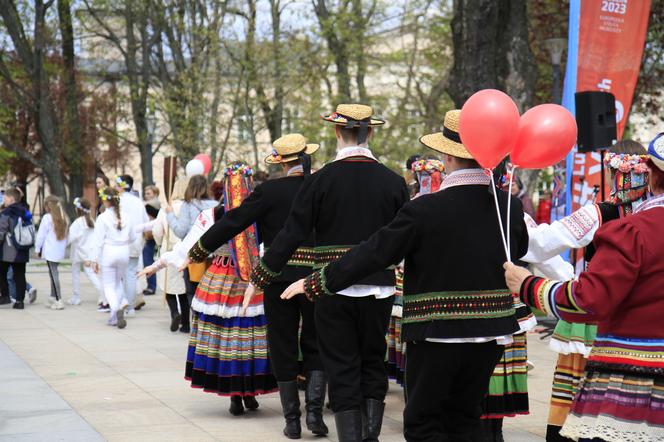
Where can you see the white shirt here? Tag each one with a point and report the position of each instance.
(107, 232)
(51, 248)
(134, 210)
(81, 240)
(176, 257)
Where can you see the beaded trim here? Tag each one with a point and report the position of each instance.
(262, 276)
(198, 253)
(484, 304)
(303, 257)
(326, 254)
(315, 285)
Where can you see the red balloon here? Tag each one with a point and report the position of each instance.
(488, 126)
(206, 160)
(546, 135)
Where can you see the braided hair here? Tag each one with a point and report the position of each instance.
(112, 196)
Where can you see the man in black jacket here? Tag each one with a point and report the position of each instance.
(344, 204)
(457, 311)
(268, 206)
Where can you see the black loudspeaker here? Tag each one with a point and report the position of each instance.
(596, 120)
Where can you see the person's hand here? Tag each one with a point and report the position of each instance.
(95, 267)
(184, 264)
(147, 271)
(249, 293)
(294, 289)
(169, 209)
(514, 276)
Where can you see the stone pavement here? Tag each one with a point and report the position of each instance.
(66, 375)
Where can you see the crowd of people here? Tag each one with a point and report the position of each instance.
(349, 275)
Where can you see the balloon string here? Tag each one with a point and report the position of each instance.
(509, 212)
(500, 220)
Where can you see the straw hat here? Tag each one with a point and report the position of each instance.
(350, 115)
(448, 141)
(289, 147)
(656, 151)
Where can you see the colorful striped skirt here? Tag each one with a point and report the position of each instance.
(566, 378)
(228, 353)
(396, 351)
(615, 406)
(508, 387)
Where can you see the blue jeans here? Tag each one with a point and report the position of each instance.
(148, 259)
(12, 284)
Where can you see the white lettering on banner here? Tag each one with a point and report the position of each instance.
(620, 111)
(615, 6)
(605, 84)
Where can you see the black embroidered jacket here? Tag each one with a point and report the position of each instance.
(344, 203)
(454, 285)
(268, 206)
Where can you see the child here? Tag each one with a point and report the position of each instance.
(81, 239)
(13, 257)
(51, 243)
(112, 237)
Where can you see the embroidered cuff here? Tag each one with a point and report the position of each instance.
(262, 276)
(314, 285)
(198, 253)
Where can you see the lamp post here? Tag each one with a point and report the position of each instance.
(556, 46)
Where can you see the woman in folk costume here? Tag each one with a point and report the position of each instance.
(227, 350)
(170, 281)
(621, 397)
(428, 173)
(573, 341)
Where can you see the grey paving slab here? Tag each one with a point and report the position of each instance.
(30, 410)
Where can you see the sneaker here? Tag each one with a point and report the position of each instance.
(18, 305)
(139, 306)
(130, 313)
(112, 320)
(5, 300)
(149, 292)
(58, 305)
(530, 365)
(122, 322)
(104, 308)
(32, 295)
(74, 300)
(51, 300)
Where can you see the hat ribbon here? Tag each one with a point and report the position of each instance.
(451, 135)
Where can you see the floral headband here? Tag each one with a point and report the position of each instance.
(238, 169)
(105, 197)
(429, 166)
(79, 206)
(626, 162)
(121, 182)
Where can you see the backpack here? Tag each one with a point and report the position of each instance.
(23, 236)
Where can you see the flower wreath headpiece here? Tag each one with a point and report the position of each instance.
(118, 179)
(626, 162)
(77, 204)
(104, 197)
(238, 169)
(428, 166)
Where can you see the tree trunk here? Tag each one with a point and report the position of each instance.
(72, 143)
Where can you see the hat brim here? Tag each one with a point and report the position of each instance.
(341, 121)
(309, 150)
(437, 141)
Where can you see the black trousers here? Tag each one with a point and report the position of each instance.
(446, 385)
(351, 340)
(19, 279)
(173, 300)
(283, 328)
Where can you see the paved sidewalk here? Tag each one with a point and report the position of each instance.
(66, 375)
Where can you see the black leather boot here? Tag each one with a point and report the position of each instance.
(236, 407)
(290, 403)
(314, 398)
(373, 419)
(349, 425)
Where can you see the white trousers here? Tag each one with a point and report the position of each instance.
(76, 278)
(113, 264)
(130, 282)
